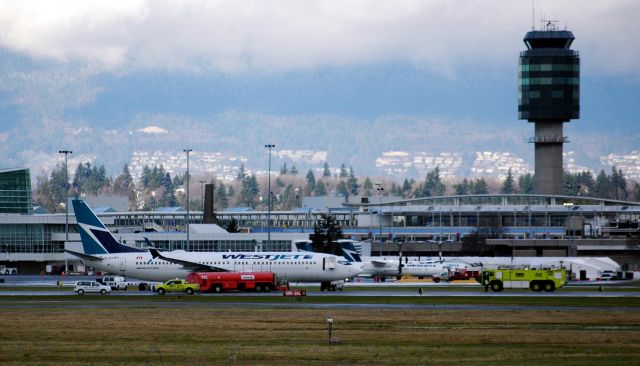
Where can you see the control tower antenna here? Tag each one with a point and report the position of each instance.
(533, 14)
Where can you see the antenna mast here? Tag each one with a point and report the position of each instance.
(533, 14)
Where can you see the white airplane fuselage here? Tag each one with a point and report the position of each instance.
(289, 266)
(373, 266)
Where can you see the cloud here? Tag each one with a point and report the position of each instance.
(240, 36)
(153, 130)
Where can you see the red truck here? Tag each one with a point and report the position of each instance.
(234, 281)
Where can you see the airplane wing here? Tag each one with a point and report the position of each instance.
(84, 256)
(194, 266)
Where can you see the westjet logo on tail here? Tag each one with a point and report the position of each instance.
(271, 257)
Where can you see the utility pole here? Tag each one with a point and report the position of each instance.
(380, 189)
(187, 151)
(66, 203)
(269, 146)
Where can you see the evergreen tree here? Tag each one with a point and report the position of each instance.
(618, 184)
(250, 190)
(343, 190)
(144, 179)
(433, 185)
(311, 182)
(242, 174)
(320, 189)
(395, 189)
(293, 170)
(352, 182)
(526, 184)
(636, 192)
(231, 192)
(343, 171)
(480, 187)
(177, 182)
(284, 170)
(288, 198)
(168, 198)
(406, 188)
(462, 188)
(43, 195)
(368, 186)
(508, 186)
(602, 187)
(325, 236)
(167, 182)
(124, 182)
(58, 187)
(222, 200)
(326, 172)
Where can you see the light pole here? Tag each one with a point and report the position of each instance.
(269, 146)
(66, 203)
(380, 189)
(187, 151)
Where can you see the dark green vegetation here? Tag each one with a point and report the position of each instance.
(57, 334)
(290, 186)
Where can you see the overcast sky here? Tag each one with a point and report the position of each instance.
(105, 63)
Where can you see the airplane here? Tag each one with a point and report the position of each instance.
(382, 267)
(102, 251)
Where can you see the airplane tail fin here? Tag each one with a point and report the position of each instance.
(349, 251)
(304, 246)
(96, 238)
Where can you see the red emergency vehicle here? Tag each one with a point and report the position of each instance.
(234, 281)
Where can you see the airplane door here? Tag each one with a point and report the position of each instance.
(123, 264)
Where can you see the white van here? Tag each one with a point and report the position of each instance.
(116, 282)
(91, 287)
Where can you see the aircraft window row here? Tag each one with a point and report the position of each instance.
(232, 263)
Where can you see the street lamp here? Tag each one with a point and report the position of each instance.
(380, 189)
(66, 203)
(187, 151)
(269, 146)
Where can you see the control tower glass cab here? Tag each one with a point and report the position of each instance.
(549, 95)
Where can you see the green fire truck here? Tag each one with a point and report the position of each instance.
(535, 279)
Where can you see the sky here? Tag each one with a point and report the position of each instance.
(82, 64)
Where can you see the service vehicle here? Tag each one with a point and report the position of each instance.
(177, 285)
(334, 286)
(8, 270)
(234, 281)
(607, 275)
(116, 282)
(535, 279)
(463, 274)
(80, 287)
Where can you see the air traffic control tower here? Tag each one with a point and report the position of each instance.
(549, 95)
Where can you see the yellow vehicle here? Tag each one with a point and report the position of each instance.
(177, 285)
(535, 279)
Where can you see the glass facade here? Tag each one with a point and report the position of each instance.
(549, 88)
(549, 78)
(220, 245)
(15, 191)
(30, 238)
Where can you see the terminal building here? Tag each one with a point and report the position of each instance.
(490, 225)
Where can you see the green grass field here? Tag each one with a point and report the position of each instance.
(237, 330)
